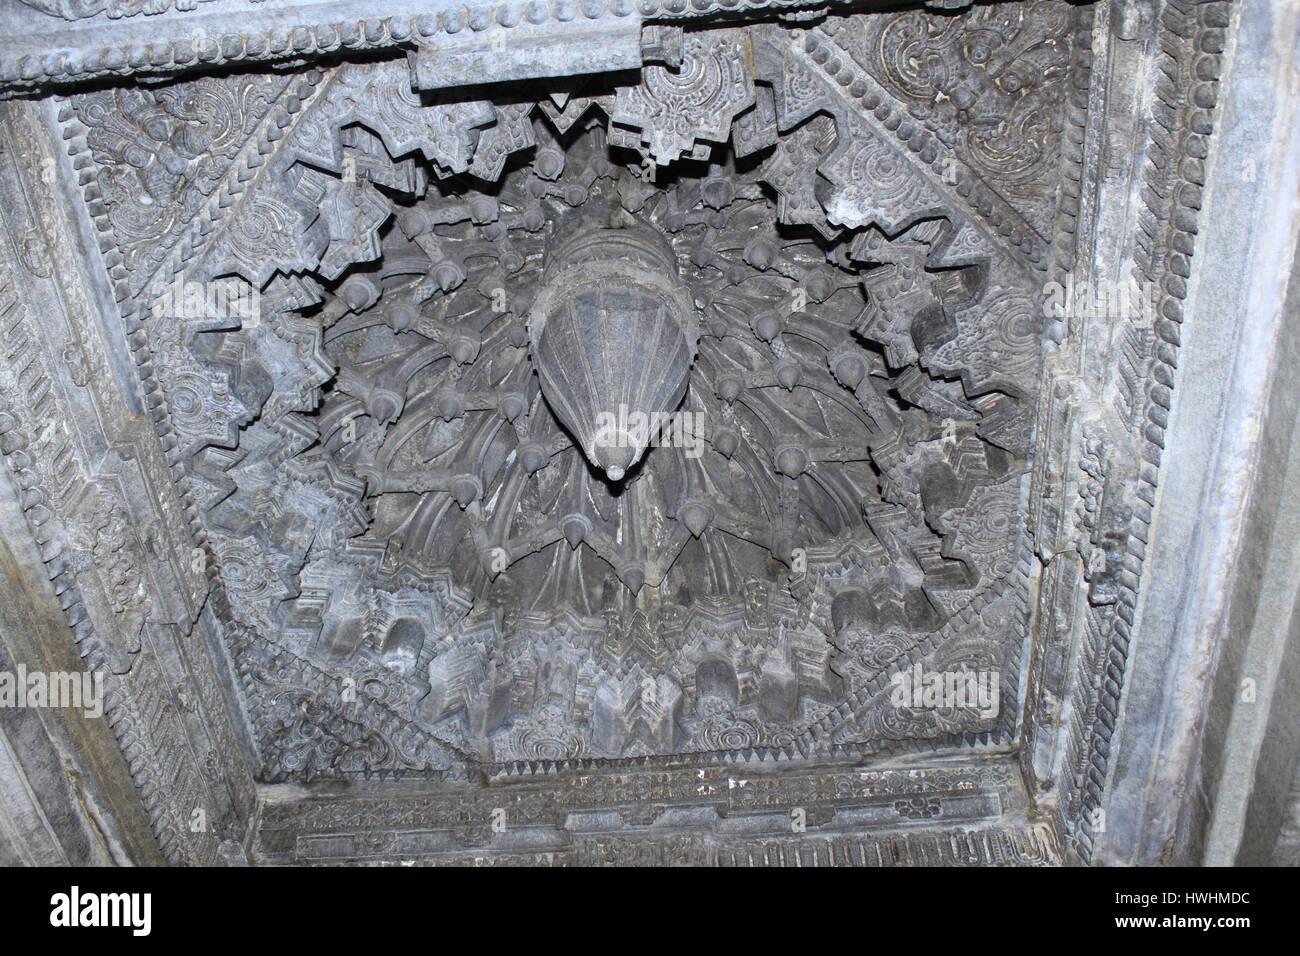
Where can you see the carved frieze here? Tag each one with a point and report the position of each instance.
(396, 503)
(691, 409)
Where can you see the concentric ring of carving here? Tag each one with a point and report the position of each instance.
(637, 420)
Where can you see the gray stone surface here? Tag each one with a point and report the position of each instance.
(320, 402)
(1225, 490)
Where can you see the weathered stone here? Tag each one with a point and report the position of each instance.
(552, 391)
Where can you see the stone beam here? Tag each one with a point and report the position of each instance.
(53, 42)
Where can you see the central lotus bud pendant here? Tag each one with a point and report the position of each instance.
(614, 333)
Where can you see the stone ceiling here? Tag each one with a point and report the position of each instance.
(387, 492)
(395, 313)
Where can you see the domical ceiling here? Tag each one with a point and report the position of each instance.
(664, 418)
(638, 397)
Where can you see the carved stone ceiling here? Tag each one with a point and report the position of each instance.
(613, 415)
(384, 325)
